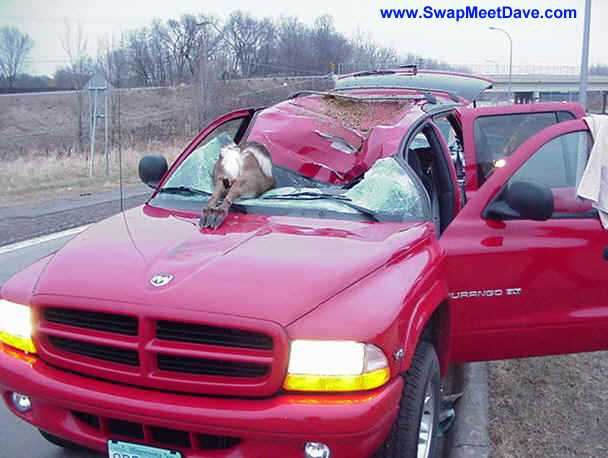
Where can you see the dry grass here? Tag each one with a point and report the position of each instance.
(549, 407)
(39, 146)
(36, 177)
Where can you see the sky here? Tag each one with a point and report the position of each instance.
(535, 42)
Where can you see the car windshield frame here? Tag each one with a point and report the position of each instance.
(324, 200)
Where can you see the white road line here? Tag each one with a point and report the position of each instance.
(42, 239)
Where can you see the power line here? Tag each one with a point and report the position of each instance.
(54, 132)
(69, 19)
(47, 61)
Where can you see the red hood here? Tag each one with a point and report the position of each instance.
(267, 267)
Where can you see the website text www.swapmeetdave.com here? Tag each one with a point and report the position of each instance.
(475, 12)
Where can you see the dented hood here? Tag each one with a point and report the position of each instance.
(266, 267)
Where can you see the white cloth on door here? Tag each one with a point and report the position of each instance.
(594, 183)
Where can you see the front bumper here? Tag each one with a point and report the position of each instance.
(353, 426)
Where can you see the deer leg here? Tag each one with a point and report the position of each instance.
(218, 214)
(208, 212)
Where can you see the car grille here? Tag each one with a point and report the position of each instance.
(194, 355)
(185, 441)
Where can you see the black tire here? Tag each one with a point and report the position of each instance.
(402, 441)
(59, 442)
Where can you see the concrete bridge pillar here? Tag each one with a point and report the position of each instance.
(524, 97)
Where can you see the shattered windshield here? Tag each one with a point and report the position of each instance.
(386, 192)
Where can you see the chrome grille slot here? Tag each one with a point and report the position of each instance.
(212, 335)
(107, 322)
(169, 436)
(201, 366)
(91, 350)
(183, 440)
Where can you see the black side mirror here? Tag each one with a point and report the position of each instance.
(152, 168)
(523, 200)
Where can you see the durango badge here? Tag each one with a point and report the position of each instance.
(161, 280)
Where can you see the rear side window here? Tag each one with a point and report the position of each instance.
(497, 137)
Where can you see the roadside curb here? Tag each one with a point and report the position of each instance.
(470, 437)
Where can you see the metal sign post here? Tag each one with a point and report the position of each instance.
(99, 94)
(582, 97)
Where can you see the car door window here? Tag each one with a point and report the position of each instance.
(559, 165)
(498, 136)
(205, 155)
(453, 141)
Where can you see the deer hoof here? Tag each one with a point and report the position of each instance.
(212, 218)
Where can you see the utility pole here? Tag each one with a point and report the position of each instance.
(106, 116)
(582, 93)
(203, 76)
(510, 59)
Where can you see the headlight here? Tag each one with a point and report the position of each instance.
(316, 365)
(16, 326)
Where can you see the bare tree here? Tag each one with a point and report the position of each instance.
(75, 45)
(15, 47)
(113, 60)
(368, 55)
(251, 41)
(293, 46)
(181, 38)
(330, 47)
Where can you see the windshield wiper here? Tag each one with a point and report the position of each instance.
(184, 190)
(307, 195)
(345, 200)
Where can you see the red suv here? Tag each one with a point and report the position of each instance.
(408, 230)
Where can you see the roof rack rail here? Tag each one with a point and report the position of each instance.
(370, 98)
(378, 71)
(411, 67)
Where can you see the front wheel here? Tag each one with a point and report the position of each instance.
(415, 431)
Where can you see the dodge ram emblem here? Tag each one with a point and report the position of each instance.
(161, 280)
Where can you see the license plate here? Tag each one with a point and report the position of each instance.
(117, 449)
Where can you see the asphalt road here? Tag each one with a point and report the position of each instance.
(19, 439)
(24, 222)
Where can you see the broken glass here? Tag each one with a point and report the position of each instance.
(386, 189)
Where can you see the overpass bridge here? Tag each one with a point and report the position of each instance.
(538, 87)
(531, 83)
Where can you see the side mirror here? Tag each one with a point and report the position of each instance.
(152, 168)
(523, 200)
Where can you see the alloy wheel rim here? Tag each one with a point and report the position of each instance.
(427, 422)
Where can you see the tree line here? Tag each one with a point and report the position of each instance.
(176, 51)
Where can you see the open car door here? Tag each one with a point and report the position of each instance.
(494, 133)
(527, 260)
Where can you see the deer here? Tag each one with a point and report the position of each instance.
(240, 171)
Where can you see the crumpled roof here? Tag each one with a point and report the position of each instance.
(327, 137)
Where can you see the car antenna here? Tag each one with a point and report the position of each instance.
(122, 206)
